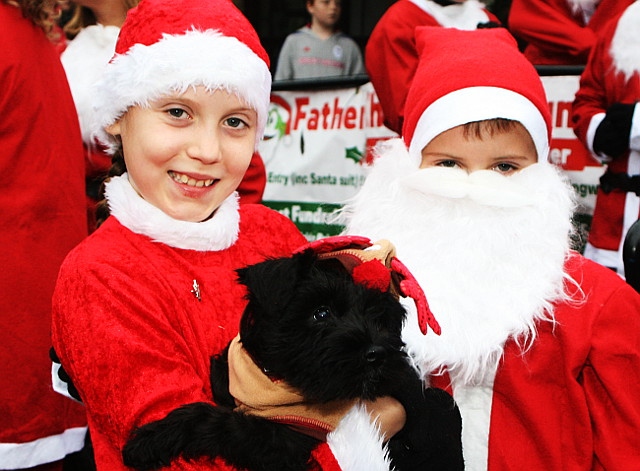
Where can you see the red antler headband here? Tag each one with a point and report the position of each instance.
(376, 266)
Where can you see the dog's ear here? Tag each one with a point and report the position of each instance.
(272, 283)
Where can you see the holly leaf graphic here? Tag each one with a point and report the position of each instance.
(354, 154)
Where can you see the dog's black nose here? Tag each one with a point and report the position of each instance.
(375, 354)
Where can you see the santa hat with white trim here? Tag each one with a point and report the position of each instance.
(171, 45)
(467, 76)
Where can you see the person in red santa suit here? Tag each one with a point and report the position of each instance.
(560, 32)
(144, 302)
(606, 119)
(41, 220)
(390, 53)
(92, 32)
(540, 346)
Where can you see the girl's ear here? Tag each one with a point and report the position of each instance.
(113, 129)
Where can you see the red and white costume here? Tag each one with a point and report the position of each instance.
(143, 303)
(539, 346)
(561, 32)
(612, 75)
(390, 54)
(41, 218)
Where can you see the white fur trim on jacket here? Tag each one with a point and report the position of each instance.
(175, 63)
(217, 233)
(357, 444)
(42, 450)
(465, 15)
(625, 45)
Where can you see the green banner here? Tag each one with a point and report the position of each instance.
(313, 219)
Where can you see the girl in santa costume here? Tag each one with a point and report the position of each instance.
(41, 220)
(390, 54)
(606, 119)
(560, 32)
(540, 346)
(143, 303)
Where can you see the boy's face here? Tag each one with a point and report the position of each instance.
(325, 12)
(186, 153)
(505, 152)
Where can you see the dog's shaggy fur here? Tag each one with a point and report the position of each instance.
(308, 323)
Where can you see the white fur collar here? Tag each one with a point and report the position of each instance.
(625, 45)
(464, 15)
(356, 432)
(217, 233)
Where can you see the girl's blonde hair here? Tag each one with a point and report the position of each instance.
(83, 16)
(43, 13)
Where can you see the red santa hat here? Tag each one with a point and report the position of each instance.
(467, 76)
(171, 45)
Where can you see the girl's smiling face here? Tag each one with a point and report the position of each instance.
(186, 153)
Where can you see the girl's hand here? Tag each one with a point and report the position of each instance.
(388, 413)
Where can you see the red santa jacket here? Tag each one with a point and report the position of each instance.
(41, 218)
(390, 54)
(602, 84)
(570, 402)
(556, 32)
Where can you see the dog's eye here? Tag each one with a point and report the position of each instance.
(322, 313)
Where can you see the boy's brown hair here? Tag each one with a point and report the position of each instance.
(489, 126)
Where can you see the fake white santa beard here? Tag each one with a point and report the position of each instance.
(490, 266)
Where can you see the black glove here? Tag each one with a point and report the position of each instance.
(612, 135)
(432, 435)
(64, 376)
(488, 25)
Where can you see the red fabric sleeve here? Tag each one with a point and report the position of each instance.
(591, 97)
(611, 381)
(252, 186)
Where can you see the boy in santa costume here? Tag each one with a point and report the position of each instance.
(540, 346)
(144, 302)
(41, 219)
(606, 119)
(390, 53)
(560, 32)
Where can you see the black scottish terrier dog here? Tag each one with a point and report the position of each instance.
(330, 341)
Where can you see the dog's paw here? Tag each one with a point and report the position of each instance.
(147, 450)
(189, 431)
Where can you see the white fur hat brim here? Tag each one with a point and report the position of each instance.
(479, 103)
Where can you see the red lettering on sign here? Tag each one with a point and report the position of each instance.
(570, 154)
